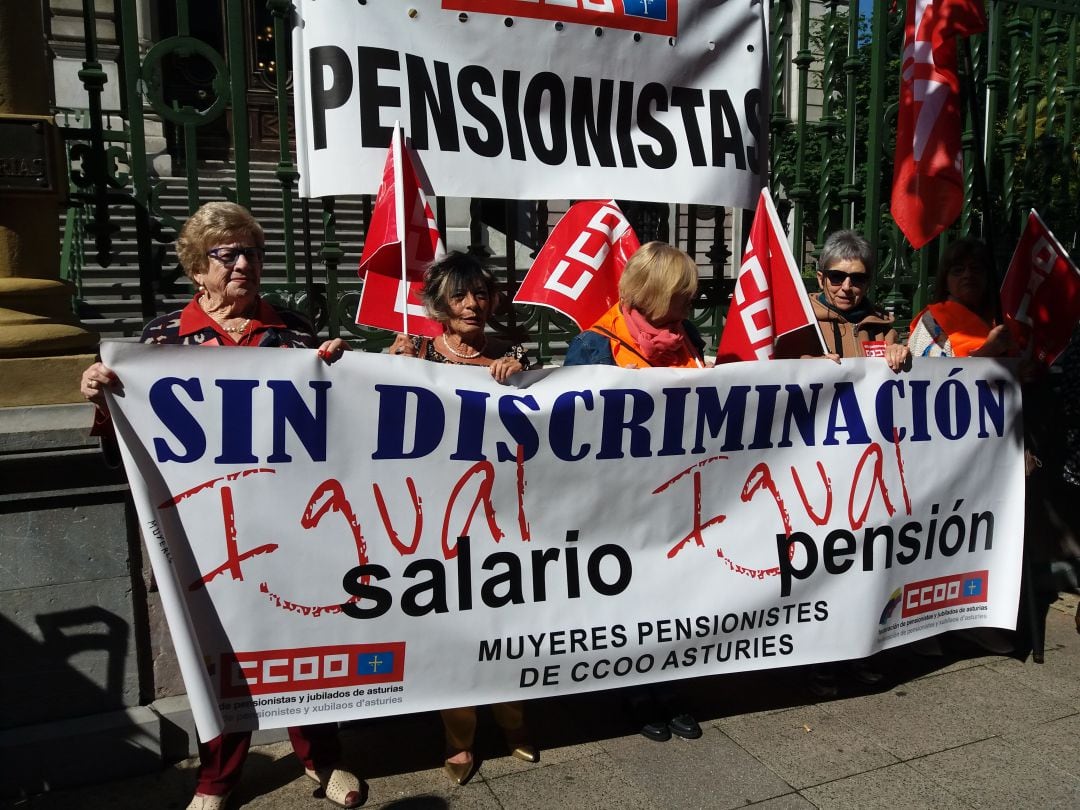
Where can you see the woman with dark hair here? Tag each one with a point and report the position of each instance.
(960, 321)
(221, 249)
(461, 294)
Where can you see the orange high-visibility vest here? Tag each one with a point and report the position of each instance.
(625, 350)
(967, 332)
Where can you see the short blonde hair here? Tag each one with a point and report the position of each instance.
(654, 276)
(213, 223)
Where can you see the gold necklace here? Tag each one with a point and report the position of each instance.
(462, 355)
(232, 330)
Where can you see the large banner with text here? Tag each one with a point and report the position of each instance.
(388, 535)
(662, 100)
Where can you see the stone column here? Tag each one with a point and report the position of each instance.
(42, 346)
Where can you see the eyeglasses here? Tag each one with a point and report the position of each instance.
(229, 256)
(838, 277)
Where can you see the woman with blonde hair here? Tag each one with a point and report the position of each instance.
(647, 327)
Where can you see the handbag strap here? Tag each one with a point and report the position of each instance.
(611, 336)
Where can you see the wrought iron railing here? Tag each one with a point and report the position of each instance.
(73, 248)
(832, 124)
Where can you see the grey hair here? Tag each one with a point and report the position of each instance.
(844, 246)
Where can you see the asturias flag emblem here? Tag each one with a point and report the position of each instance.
(376, 663)
(650, 9)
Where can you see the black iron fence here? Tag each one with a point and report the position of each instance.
(214, 82)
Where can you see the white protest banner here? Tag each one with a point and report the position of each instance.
(388, 535)
(662, 100)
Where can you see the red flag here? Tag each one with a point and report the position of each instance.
(577, 270)
(928, 189)
(402, 241)
(770, 304)
(1040, 297)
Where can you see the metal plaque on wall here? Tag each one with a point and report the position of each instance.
(26, 156)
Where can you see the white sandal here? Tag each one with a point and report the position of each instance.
(338, 786)
(204, 801)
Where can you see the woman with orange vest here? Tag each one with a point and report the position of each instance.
(960, 322)
(647, 327)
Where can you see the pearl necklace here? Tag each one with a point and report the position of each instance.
(462, 355)
(237, 330)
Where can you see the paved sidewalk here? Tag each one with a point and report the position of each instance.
(966, 730)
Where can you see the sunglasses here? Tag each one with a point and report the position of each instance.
(838, 277)
(229, 256)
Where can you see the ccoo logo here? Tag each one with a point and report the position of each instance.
(942, 592)
(268, 671)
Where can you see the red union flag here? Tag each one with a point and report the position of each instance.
(928, 191)
(1040, 297)
(577, 270)
(402, 241)
(770, 304)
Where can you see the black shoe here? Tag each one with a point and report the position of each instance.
(656, 730)
(866, 673)
(821, 682)
(685, 726)
(647, 716)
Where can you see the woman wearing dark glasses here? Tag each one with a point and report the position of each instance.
(851, 324)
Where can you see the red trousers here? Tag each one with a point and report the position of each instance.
(222, 759)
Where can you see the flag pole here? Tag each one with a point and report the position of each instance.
(399, 224)
(789, 261)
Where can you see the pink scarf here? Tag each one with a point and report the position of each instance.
(659, 345)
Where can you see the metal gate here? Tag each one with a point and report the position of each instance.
(835, 82)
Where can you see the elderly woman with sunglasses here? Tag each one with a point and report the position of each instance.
(221, 249)
(849, 323)
(848, 319)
